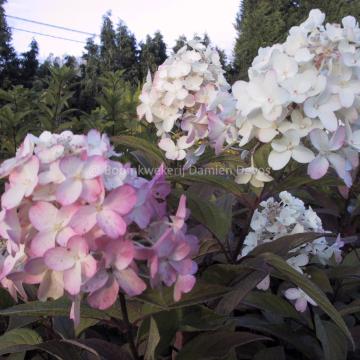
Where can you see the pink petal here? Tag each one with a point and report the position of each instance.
(122, 200)
(69, 191)
(130, 282)
(106, 296)
(91, 190)
(59, 259)
(89, 266)
(75, 311)
(111, 223)
(43, 215)
(94, 167)
(301, 304)
(318, 167)
(35, 266)
(96, 282)
(120, 253)
(180, 252)
(64, 235)
(12, 197)
(338, 139)
(42, 242)
(49, 155)
(78, 246)
(184, 284)
(84, 219)
(71, 165)
(66, 213)
(184, 267)
(72, 279)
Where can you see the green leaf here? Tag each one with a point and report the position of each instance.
(352, 308)
(18, 339)
(163, 297)
(60, 307)
(137, 143)
(299, 339)
(242, 287)
(284, 244)
(273, 353)
(310, 289)
(271, 303)
(209, 215)
(216, 345)
(333, 341)
(153, 340)
(220, 182)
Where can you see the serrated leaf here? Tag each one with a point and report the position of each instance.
(216, 345)
(310, 289)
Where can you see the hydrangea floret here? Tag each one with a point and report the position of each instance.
(75, 222)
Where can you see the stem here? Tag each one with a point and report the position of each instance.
(128, 327)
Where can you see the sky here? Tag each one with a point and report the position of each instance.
(171, 17)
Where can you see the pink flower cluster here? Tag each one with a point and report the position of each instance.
(77, 223)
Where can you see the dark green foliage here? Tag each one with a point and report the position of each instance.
(152, 54)
(9, 63)
(29, 64)
(261, 23)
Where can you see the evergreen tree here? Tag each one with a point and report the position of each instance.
(152, 53)
(29, 64)
(90, 72)
(107, 44)
(9, 64)
(126, 53)
(179, 43)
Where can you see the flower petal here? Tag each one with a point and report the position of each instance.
(59, 259)
(69, 191)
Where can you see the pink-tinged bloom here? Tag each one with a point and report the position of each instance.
(178, 221)
(221, 131)
(300, 297)
(52, 224)
(150, 200)
(74, 261)
(107, 214)
(81, 179)
(10, 229)
(23, 154)
(97, 144)
(51, 282)
(170, 262)
(327, 155)
(196, 125)
(22, 183)
(119, 272)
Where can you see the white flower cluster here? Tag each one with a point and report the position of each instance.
(309, 85)
(285, 217)
(303, 97)
(179, 96)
